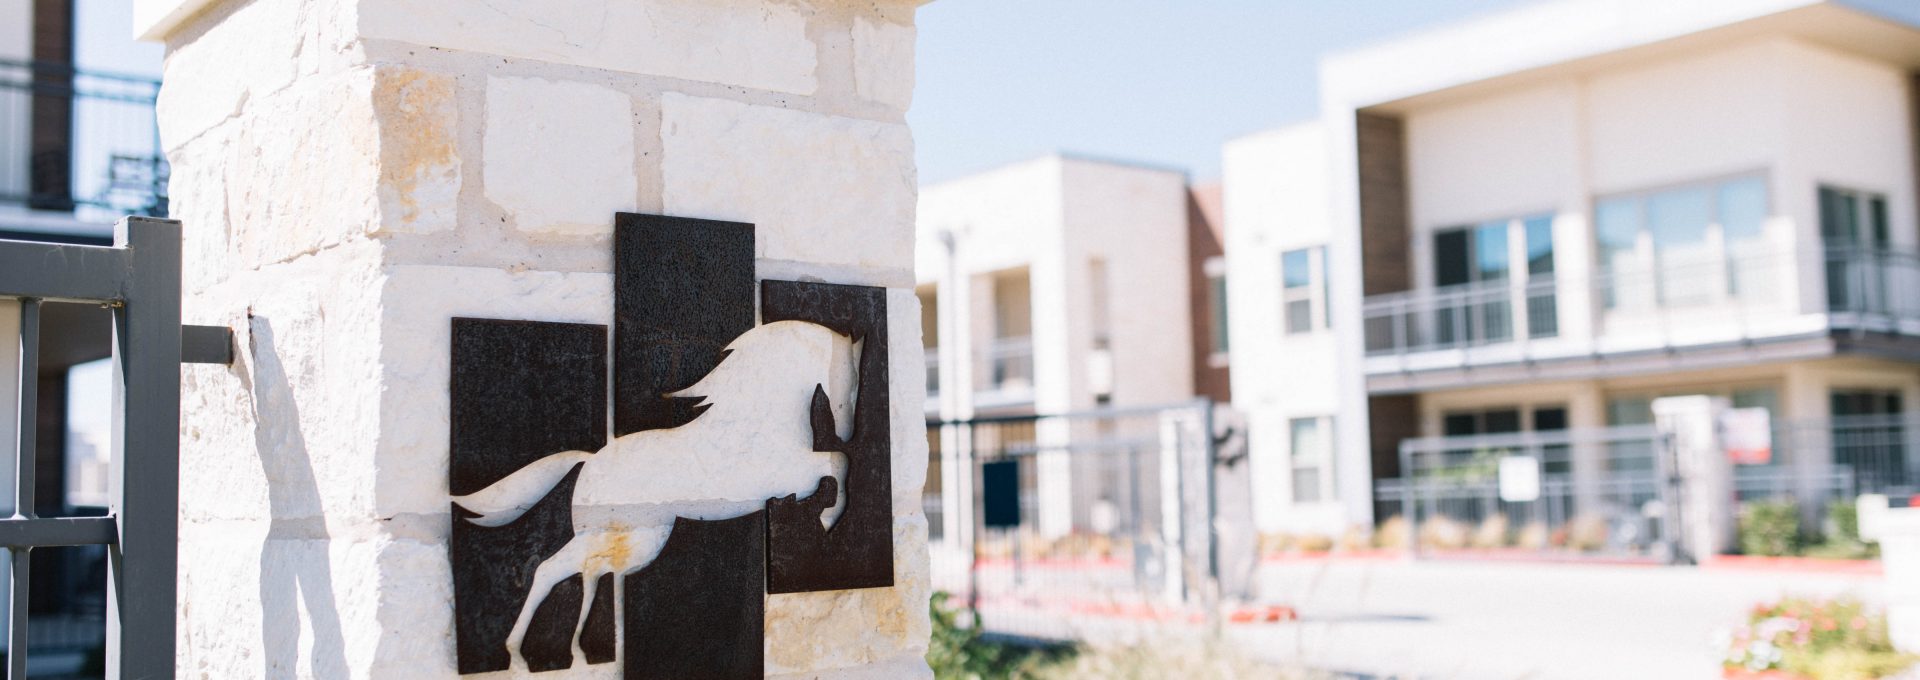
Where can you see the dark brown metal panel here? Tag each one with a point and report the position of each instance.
(596, 635)
(698, 610)
(548, 645)
(51, 143)
(1386, 240)
(522, 390)
(858, 551)
(683, 289)
(493, 572)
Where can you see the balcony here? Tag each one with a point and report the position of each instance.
(1009, 364)
(1694, 303)
(77, 148)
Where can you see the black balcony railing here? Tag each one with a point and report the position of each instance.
(80, 141)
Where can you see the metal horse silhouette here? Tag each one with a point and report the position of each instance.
(553, 524)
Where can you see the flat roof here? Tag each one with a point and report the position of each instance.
(1576, 36)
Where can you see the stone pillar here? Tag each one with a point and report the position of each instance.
(1587, 422)
(354, 174)
(1897, 530)
(1706, 503)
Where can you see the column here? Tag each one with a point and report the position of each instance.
(353, 175)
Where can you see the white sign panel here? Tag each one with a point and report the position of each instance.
(1519, 479)
(1747, 435)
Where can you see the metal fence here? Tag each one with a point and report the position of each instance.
(1450, 491)
(1055, 526)
(139, 278)
(1605, 491)
(82, 141)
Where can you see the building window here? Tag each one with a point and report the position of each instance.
(1869, 437)
(1480, 422)
(1543, 304)
(1216, 271)
(1854, 226)
(1468, 261)
(1311, 446)
(1688, 245)
(1472, 268)
(1303, 274)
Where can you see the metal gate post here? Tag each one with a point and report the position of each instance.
(1209, 449)
(1409, 503)
(145, 493)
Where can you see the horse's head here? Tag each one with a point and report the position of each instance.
(754, 441)
(778, 364)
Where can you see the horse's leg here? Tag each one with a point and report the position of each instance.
(590, 586)
(564, 563)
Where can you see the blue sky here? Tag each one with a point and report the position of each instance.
(1157, 81)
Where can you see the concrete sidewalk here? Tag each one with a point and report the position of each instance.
(1505, 621)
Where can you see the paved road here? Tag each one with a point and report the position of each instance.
(1499, 621)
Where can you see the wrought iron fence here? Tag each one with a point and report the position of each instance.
(80, 141)
(1604, 491)
(1597, 492)
(139, 278)
(1055, 525)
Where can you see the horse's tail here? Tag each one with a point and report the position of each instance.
(505, 500)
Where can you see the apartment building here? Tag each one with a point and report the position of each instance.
(1534, 224)
(1285, 379)
(1052, 286)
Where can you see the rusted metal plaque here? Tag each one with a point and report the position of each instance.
(857, 552)
(522, 390)
(698, 611)
(683, 289)
(493, 572)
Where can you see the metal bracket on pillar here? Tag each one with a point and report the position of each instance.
(206, 345)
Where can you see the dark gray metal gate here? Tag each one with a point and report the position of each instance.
(138, 278)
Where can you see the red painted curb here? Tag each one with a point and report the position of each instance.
(1796, 565)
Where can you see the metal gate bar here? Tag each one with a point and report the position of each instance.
(139, 278)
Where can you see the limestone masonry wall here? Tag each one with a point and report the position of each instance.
(354, 173)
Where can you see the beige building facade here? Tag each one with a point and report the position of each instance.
(1622, 205)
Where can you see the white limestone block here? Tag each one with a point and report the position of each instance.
(222, 610)
(883, 62)
(840, 631)
(559, 155)
(746, 43)
(277, 204)
(205, 257)
(416, 330)
(907, 368)
(212, 78)
(419, 179)
(833, 190)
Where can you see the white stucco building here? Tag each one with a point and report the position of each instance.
(1052, 286)
(1541, 220)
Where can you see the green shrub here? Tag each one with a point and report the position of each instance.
(1843, 522)
(1770, 528)
(958, 652)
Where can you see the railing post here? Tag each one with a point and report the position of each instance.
(26, 455)
(1400, 316)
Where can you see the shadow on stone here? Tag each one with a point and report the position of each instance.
(294, 564)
